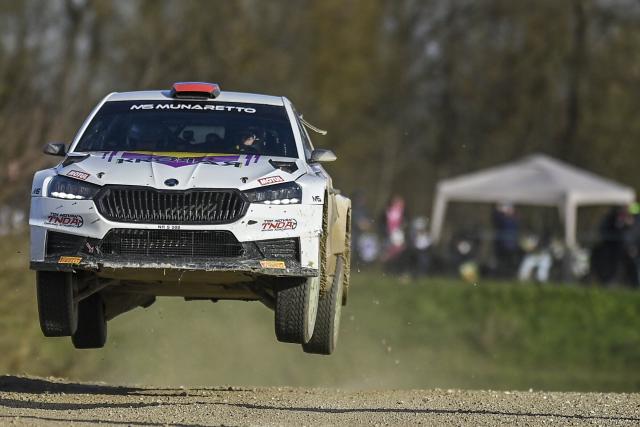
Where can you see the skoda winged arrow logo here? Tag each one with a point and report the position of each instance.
(171, 182)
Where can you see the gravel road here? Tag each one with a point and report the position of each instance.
(40, 401)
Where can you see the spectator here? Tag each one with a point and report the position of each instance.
(396, 241)
(632, 247)
(367, 245)
(420, 246)
(506, 248)
(610, 251)
(464, 255)
(537, 258)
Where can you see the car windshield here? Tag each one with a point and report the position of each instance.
(190, 127)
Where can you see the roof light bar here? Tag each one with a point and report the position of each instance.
(194, 90)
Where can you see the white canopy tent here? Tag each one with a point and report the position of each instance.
(535, 180)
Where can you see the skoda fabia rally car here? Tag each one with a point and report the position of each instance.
(196, 193)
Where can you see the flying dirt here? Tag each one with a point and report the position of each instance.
(31, 401)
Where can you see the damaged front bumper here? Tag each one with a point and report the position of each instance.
(251, 267)
(123, 250)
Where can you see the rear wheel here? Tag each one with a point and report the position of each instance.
(92, 324)
(296, 310)
(325, 334)
(56, 308)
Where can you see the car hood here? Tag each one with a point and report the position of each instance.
(190, 170)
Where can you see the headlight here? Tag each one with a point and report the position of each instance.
(281, 194)
(62, 187)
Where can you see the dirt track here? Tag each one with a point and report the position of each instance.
(30, 401)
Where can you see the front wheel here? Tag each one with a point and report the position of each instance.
(56, 307)
(325, 334)
(92, 324)
(296, 311)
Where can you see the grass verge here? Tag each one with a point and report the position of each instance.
(418, 334)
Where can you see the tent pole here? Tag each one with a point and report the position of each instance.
(570, 222)
(437, 216)
(570, 209)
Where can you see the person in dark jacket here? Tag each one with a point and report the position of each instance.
(506, 227)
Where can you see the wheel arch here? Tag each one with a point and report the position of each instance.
(339, 228)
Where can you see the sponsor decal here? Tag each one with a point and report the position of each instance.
(177, 160)
(210, 107)
(279, 224)
(70, 260)
(273, 264)
(250, 158)
(270, 180)
(316, 199)
(78, 175)
(64, 220)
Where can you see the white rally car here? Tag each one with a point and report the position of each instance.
(190, 192)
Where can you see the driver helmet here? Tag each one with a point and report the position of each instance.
(144, 136)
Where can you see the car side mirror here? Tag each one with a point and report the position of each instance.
(55, 149)
(320, 155)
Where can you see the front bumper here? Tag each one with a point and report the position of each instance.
(251, 267)
(83, 221)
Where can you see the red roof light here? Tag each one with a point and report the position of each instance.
(195, 90)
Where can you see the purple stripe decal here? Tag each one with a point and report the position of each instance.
(176, 162)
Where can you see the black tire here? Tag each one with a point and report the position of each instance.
(92, 324)
(296, 311)
(56, 309)
(297, 306)
(325, 334)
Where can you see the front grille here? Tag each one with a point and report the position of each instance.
(288, 249)
(171, 243)
(148, 205)
(64, 243)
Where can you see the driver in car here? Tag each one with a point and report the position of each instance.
(248, 143)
